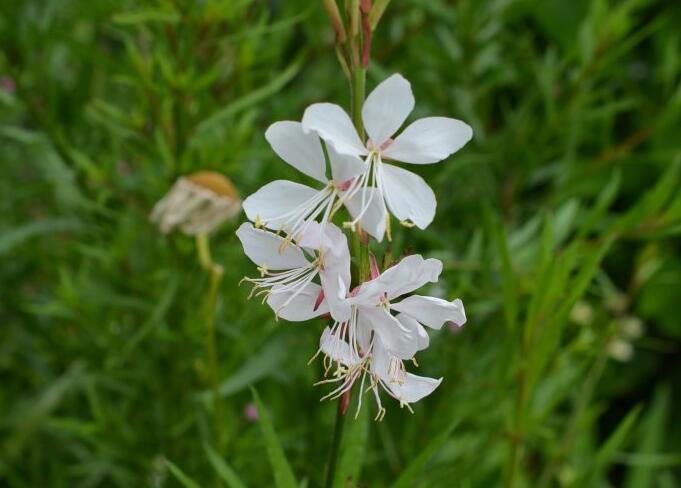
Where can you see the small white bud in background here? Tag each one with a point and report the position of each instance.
(631, 327)
(616, 302)
(620, 350)
(582, 313)
(197, 204)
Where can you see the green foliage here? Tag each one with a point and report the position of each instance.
(558, 226)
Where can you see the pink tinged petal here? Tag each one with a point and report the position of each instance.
(373, 266)
(267, 249)
(422, 339)
(374, 219)
(276, 199)
(300, 308)
(429, 140)
(406, 276)
(333, 125)
(431, 311)
(343, 166)
(337, 349)
(301, 150)
(399, 341)
(386, 108)
(408, 196)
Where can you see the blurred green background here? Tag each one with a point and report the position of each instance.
(558, 225)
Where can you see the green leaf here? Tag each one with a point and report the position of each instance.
(17, 236)
(258, 366)
(224, 470)
(218, 118)
(283, 474)
(496, 230)
(409, 475)
(354, 450)
(616, 440)
(654, 431)
(180, 476)
(146, 16)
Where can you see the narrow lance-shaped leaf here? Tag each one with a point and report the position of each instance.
(283, 474)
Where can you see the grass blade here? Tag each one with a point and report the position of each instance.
(224, 470)
(180, 476)
(283, 474)
(408, 477)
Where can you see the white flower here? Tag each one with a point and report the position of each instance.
(376, 342)
(425, 141)
(197, 204)
(288, 269)
(288, 206)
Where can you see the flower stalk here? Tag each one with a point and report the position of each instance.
(215, 273)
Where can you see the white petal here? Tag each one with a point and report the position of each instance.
(413, 387)
(337, 349)
(335, 292)
(343, 166)
(267, 249)
(432, 311)
(374, 219)
(335, 274)
(386, 108)
(408, 275)
(276, 199)
(408, 197)
(301, 150)
(429, 140)
(422, 339)
(399, 341)
(406, 387)
(301, 307)
(334, 126)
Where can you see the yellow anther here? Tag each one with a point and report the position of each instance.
(407, 223)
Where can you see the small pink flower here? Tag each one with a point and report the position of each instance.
(8, 84)
(251, 412)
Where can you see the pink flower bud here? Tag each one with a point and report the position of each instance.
(251, 412)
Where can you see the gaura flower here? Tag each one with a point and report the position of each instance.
(197, 204)
(291, 207)
(375, 342)
(288, 269)
(425, 141)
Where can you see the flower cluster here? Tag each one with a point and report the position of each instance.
(303, 257)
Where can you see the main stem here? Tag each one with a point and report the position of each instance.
(360, 253)
(215, 272)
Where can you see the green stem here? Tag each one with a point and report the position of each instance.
(215, 273)
(335, 445)
(357, 90)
